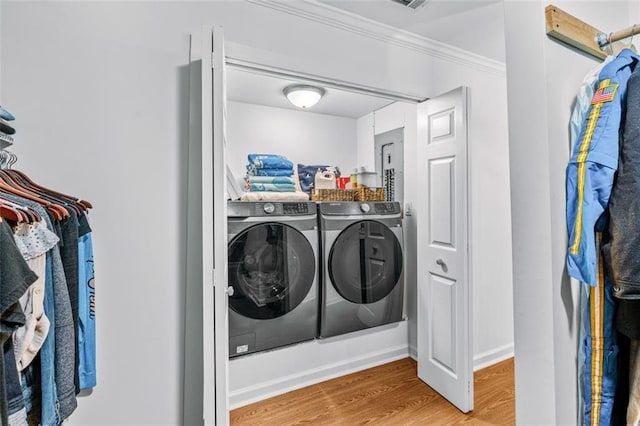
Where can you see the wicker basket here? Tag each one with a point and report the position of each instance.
(333, 195)
(363, 193)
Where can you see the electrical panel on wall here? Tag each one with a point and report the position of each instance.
(389, 147)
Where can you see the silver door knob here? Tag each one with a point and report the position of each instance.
(230, 291)
(441, 263)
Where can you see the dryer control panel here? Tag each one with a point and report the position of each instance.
(362, 208)
(267, 208)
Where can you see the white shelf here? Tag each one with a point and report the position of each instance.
(5, 141)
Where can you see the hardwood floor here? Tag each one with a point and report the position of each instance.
(390, 394)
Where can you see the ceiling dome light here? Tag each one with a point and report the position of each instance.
(302, 95)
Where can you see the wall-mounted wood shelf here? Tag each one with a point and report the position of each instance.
(574, 32)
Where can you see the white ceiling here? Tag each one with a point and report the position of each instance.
(261, 89)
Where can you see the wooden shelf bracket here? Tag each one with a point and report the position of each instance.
(574, 32)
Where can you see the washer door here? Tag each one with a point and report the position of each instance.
(271, 269)
(365, 262)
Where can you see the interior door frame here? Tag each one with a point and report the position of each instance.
(214, 177)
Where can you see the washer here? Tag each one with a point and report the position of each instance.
(273, 270)
(362, 274)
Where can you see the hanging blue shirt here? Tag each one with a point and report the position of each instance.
(593, 163)
(86, 314)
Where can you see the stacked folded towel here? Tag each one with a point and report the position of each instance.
(269, 172)
(6, 129)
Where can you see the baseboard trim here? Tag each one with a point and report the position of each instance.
(299, 380)
(493, 356)
(413, 352)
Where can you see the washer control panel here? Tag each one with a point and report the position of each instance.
(363, 208)
(267, 208)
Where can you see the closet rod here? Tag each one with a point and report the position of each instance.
(574, 32)
(325, 82)
(605, 39)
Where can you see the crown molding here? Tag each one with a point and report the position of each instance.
(347, 21)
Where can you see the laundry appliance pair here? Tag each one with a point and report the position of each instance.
(303, 270)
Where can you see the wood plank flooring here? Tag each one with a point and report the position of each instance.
(390, 394)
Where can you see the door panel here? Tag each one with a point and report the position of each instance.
(443, 324)
(441, 126)
(444, 295)
(442, 202)
(214, 228)
(219, 208)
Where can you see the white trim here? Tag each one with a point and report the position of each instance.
(257, 68)
(493, 356)
(268, 389)
(347, 21)
(413, 352)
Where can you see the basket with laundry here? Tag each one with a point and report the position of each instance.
(329, 186)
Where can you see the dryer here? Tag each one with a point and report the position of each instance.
(273, 273)
(362, 273)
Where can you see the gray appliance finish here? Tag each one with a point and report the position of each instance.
(273, 270)
(362, 274)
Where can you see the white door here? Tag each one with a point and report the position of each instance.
(214, 231)
(444, 295)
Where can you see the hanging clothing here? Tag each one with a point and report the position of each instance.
(593, 163)
(44, 392)
(589, 180)
(69, 255)
(15, 279)
(86, 306)
(585, 378)
(623, 252)
(63, 356)
(33, 240)
(600, 348)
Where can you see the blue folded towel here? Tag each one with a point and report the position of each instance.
(270, 179)
(6, 114)
(269, 161)
(272, 187)
(252, 171)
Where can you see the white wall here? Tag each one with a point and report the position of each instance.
(478, 30)
(301, 136)
(101, 92)
(366, 142)
(545, 303)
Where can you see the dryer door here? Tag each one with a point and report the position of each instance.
(365, 262)
(271, 269)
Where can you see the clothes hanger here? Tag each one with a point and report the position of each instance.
(83, 204)
(22, 180)
(633, 32)
(610, 44)
(57, 211)
(54, 205)
(11, 214)
(32, 215)
(67, 199)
